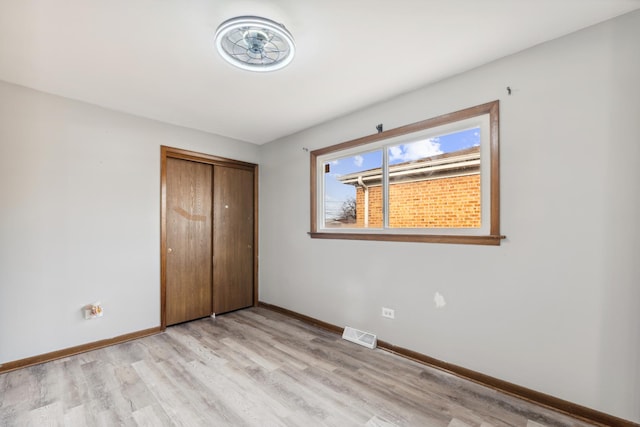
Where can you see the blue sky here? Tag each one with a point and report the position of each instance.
(336, 193)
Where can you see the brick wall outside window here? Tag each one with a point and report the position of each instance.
(452, 202)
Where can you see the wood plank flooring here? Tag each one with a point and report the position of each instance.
(253, 367)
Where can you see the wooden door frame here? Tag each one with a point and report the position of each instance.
(178, 153)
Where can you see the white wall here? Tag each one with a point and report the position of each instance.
(556, 308)
(80, 218)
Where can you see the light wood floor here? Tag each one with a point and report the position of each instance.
(252, 368)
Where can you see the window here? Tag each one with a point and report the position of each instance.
(431, 181)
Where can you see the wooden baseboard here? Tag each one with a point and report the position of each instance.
(59, 354)
(568, 408)
(306, 319)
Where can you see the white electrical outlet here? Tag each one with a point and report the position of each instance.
(389, 313)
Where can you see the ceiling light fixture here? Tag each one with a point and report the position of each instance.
(255, 44)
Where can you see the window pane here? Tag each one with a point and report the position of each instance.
(435, 182)
(353, 191)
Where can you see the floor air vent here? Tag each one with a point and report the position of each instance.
(359, 337)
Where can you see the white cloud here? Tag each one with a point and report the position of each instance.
(415, 150)
(395, 152)
(358, 160)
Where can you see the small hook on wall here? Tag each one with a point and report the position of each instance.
(509, 90)
(379, 128)
(305, 149)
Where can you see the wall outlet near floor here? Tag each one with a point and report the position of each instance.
(91, 311)
(389, 313)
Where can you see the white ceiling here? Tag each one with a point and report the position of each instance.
(156, 58)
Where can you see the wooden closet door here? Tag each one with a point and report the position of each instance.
(189, 251)
(232, 239)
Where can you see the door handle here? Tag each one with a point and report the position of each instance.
(169, 250)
